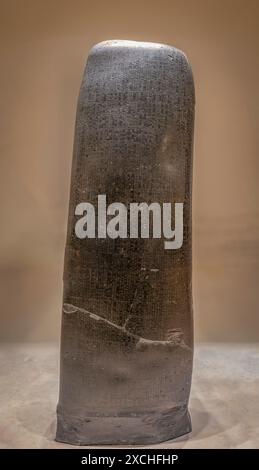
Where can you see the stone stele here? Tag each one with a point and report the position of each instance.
(127, 335)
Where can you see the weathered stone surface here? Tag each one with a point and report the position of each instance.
(127, 341)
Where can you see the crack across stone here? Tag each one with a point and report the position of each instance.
(142, 344)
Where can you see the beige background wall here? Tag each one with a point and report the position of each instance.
(44, 45)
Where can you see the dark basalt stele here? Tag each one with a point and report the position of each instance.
(127, 335)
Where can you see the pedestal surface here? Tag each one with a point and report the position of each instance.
(224, 397)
